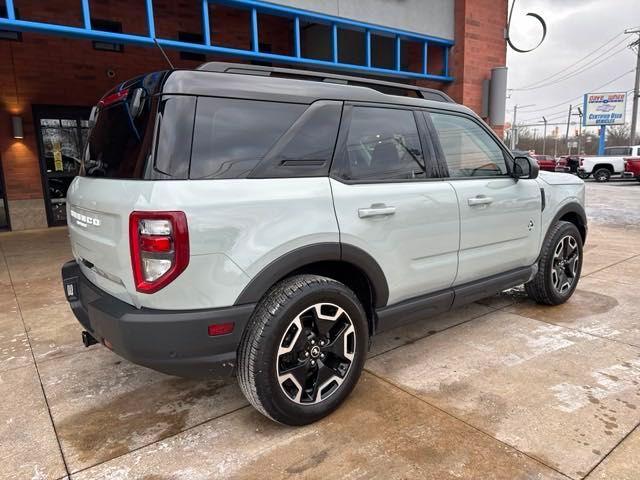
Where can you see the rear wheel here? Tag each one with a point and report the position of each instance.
(583, 175)
(559, 266)
(602, 175)
(304, 349)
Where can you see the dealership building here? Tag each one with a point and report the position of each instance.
(59, 57)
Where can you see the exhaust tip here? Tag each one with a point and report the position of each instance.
(87, 339)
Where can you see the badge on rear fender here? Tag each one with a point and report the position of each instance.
(84, 220)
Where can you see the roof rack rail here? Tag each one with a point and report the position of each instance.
(380, 85)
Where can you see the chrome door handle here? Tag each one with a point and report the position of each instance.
(480, 200)
(376, 210)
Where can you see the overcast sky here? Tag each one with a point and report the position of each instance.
(575, 29)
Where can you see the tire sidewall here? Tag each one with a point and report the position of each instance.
(563, 231)
(606, 175)
(267, 384)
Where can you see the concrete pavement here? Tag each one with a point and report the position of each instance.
(502, 389)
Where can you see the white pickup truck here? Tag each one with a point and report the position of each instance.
(603, 167)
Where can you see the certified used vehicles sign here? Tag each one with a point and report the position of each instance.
(604, 108)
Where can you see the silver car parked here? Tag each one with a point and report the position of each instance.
(268, 222)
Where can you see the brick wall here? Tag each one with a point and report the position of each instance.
(480, 46)
(50, 70)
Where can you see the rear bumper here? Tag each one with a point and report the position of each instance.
(173, 342)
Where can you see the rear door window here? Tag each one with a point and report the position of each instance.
(231, 136)
(382, 144)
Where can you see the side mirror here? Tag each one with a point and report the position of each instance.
(525, 167)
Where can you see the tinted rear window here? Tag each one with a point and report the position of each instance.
(119, 142)
(231, 136)
(617, 151)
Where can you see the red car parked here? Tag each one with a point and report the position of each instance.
(632, 167)
(546, 162)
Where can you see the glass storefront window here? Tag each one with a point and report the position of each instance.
(62, 138)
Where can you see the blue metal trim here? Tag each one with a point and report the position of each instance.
(255, 44)
(11, 11)
(86, 15)
(425, 57)
(334, 42)
(367, 48)
(206, 47)
(330, 19)
(206, 24)
(296, 37)
(446, 62)
(151, 27)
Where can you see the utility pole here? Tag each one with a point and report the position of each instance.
(514, 130)
(579, 131)
(579, 152)
(544, 138)
(636, 89)
(513, 127)
(566, 137)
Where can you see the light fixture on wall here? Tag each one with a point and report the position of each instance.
(18, 131)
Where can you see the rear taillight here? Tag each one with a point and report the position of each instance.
(159, 244)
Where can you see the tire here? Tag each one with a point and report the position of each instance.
(557, 276)
(583, 175)
(602, 175)
(303, 350)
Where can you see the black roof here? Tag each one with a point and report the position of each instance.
(298, 86)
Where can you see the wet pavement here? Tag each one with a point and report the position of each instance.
(502, 388)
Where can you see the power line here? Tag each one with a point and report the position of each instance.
(595, 62)
(572, 65)
(564, 103)
(562, 113)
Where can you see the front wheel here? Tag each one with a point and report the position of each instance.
(303, 350)
(559, 266)
(602, 175)
(583, 175)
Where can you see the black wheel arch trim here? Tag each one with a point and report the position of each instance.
(315, 253)
(574, 208)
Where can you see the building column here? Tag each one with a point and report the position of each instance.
(480, 45)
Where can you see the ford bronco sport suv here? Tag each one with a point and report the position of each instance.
(268, 222)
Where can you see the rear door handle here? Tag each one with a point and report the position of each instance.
(480, 200)
(376, 210)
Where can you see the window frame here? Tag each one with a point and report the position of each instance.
(340, 153)
(435, 138)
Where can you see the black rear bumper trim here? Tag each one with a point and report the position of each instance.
(175, 342)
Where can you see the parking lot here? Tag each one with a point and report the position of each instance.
(502, 388)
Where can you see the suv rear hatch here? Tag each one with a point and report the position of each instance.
(110, 184)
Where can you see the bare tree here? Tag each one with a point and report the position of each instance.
(618, 135)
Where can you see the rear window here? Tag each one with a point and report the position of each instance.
(231, 136)
(617, 151)
(119, 142)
